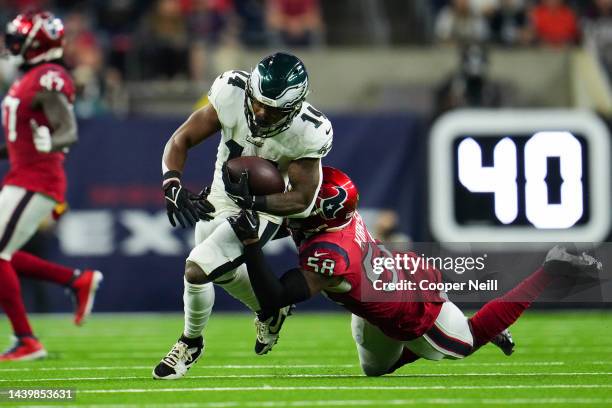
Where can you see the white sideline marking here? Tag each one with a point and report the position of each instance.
(324, 403)
(517, 363)
(289, 365)
(237, 354)
(281, 376)
(346, 388)
(305, 355)
(138, 367)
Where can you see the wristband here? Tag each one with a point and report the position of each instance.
(171, 175)
(259, 203)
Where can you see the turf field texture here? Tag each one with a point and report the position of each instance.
(561, 360)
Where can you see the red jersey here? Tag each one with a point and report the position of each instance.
(350, 253)
(39, 172)
(555, 25)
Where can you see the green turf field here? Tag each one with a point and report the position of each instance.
(562, 359)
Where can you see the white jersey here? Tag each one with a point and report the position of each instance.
(309, 136)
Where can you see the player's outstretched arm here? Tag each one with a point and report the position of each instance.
(202, 124)
(182, 205)
(272, 293)
(60, 114)
(305, 179)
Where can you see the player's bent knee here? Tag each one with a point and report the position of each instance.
(194, 274)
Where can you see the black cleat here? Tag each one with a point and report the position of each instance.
(184, 354)
(504, 341)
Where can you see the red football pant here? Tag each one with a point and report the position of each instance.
(30, 266)
(10, 300)
(499, 314)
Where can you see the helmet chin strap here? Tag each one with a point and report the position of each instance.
(52, 54)
(16, 60)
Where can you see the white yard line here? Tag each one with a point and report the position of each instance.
(138, 367)
(290, 365)
(346, 388)
(234, 354)
(330, 403)
(281, 376)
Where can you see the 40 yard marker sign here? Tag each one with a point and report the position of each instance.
(519, 176)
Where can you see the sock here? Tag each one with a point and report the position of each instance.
(407, 357)
(240, 288)
(11, 302)
(31, 266)
(498, 314)
(198, 301)
(192, 342)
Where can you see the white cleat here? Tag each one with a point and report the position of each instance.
(583, 263)
(269, 329)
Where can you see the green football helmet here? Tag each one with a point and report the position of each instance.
(280, 82)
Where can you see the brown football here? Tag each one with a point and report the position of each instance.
(264, 177)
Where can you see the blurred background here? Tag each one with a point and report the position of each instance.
(383, 71)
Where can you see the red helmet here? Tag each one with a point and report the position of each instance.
(335, 204)
(36, 37)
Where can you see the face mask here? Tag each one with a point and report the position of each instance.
(15, 60)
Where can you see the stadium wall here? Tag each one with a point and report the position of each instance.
(117, 221)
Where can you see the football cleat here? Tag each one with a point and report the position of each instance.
(504, 341)
(558, 259)
(84, 288)
(269, 329)
(179, 359)
(25, 348)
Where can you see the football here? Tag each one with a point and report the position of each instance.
(264, 177)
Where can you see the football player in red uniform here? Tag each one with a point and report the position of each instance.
(336, 252)
(39, 125)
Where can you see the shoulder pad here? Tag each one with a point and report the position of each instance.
(226, 94)
(318, 132)
(53, 78)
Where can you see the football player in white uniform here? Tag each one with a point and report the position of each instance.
(262, 114)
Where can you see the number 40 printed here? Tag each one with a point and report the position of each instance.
(501, 178)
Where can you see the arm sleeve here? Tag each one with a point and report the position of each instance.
(272, 292)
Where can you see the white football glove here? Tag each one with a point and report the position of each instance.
(42, 137)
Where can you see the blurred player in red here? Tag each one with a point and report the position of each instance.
(397, 327)
(39, 125)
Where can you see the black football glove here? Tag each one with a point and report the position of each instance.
(238, 191)
(180, 202)
(202, 205)
(245, 225)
